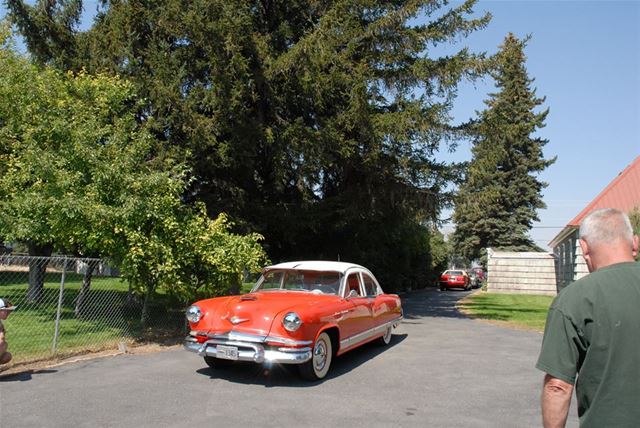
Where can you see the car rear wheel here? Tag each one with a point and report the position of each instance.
(318, 366)
(217, 363)
(386, 337)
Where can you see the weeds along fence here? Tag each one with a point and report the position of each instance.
(68, 305)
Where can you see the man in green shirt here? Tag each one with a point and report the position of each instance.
(592, 334)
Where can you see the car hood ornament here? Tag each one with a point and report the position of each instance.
(237, 320)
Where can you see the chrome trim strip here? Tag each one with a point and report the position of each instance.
(368, 334)
(237, 336)
(288, 357)
(288, 342)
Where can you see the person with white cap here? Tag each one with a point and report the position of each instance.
(5, 310)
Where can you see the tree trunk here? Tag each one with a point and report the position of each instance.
(131, 298)
(80, 310)
(37, 270)
(145, 316)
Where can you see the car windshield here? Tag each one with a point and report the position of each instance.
(321, 282)
(454, 272)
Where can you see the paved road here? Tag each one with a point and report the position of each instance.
(441, 370)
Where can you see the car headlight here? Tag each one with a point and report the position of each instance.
(194, 314)
(291, 321)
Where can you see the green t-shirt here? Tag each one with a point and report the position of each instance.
(593, 333)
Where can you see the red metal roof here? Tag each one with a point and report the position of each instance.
(622, 193)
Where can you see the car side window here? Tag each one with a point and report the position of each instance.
(353, 284)
(370, 287)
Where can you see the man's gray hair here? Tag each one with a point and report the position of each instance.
(606, 226)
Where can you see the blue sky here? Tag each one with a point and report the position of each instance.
(585, 58)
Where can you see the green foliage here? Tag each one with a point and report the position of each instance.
(312, 123)
(80, 173)
(440, 251)
(634, 217)
(191, 256)
(65, 141)
(496, 205)
(50, 30)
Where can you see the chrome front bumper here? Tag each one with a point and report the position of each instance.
(250, 348)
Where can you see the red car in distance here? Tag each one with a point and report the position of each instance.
(455, 279)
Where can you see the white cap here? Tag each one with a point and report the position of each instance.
(5, 305)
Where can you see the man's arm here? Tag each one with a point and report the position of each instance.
(556, 398)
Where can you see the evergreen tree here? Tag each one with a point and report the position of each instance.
(497, 202)
(313, 123)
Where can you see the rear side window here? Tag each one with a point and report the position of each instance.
(353, 284)
(370, 287)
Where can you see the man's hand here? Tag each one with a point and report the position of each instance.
(556, 398)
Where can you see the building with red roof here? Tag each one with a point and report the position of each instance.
(622, 193)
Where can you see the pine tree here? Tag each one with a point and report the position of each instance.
(499, 198)
(315, 123)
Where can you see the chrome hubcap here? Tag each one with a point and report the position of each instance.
(319, 355)
(387, 335)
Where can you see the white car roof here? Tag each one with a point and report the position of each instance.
(317, 265)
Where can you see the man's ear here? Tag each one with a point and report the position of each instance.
(585, 248)
(586, 253)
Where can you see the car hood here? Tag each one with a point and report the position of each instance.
(254, 313)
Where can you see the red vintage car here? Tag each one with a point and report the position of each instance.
(302, 313)
(454, 279)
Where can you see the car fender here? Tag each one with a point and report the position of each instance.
(335, 337)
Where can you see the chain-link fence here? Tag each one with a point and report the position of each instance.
(69, 305)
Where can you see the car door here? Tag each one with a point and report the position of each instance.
(382, 306)
(358, 321)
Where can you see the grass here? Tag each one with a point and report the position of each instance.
(106, 320)
(518, 310)
(246, 287)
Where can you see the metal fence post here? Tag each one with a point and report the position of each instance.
(59, 311)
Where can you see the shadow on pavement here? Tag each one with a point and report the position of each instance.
(24, 376)
(287, 375)
(430, 302)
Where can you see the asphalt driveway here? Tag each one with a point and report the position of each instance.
(441, 370)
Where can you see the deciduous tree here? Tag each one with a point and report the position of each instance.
(79, 173)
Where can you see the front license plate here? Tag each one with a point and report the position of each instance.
(227, 352)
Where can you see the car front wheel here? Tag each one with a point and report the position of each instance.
(318, 366)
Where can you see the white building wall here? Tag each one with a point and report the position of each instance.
(523, 272)
(580, 267)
